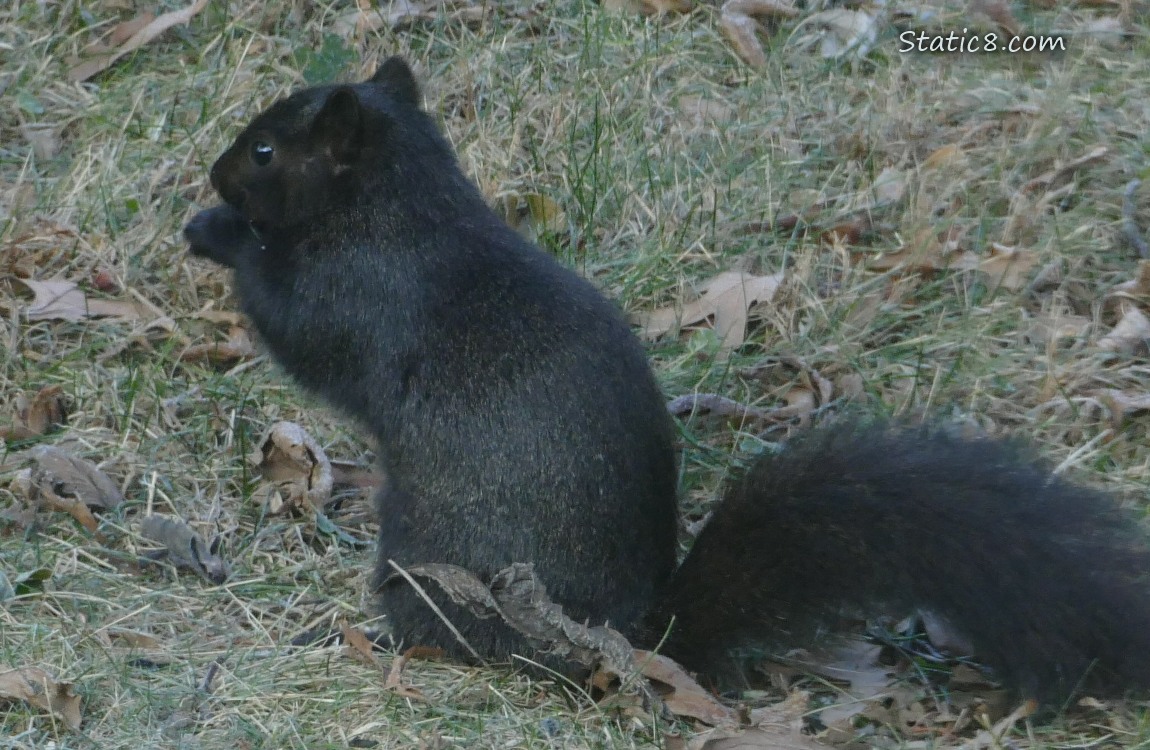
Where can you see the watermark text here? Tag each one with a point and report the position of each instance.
(989, 42)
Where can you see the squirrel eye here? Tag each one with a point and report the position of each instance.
(262, 153)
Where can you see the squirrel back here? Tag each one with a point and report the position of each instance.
(518, 421)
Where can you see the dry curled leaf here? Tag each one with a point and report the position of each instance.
(1130, 334)
(519, 598)
(533, 214)
(741, 31)
(739, 22)
(1067, 170)
(36, 687)
(184, 548)
(840, 32)
(146, 33)
(649, 7)
(756, 738)
(238, 346)
(64, 300)
(683, 696)
(295, 465)
(725, 301)
(1007, 266)
(394, 682)
(358, 643)
(64, 474)
(39, 415)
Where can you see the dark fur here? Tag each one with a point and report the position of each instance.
(518, 421)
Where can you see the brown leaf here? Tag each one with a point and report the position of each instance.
(741, 30)
(725, 301)
(1121, 404)
(943, 157)
(296, 465)
(185, 548)
(533, 214)
(61, 472)
(684, 696)
(47, 410)
(649, 7)
(761, 9)
(739, 22)
(35, 686)
(1130, 334)
(147, 33)
(64, 300)
(74, 507)
(1136, 288)
(759, 738)
(999, 12)
(237, 347)
(125, 30)
(1098, 153)
(394, 682)
(1007, 266)
(225, 317)
(840, 32)
(358, 644)
(520, 599)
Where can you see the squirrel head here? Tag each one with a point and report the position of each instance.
(309, 151)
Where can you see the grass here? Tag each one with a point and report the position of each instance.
(663, 152)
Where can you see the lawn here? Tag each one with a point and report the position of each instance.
(953, 235)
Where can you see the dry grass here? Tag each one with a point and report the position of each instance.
(661, 149)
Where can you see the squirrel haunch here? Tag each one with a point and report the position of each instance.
(518, 421)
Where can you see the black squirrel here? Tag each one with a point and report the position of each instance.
(518, 421)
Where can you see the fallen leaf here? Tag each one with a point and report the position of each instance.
(1054, 329)
(757, 738)
(840, 32)
(683, 695)
(43, 138)
(185, 548)
(295, 464)
(703, 110)
(649, 7)
(394, 682)
(238, 346)
(520, 599)
(45, 411)
(64, 300)
(533, 214)
(1130, 334)
(725, 301)
(359, 644)
(888, 187)
(125, 30)
(999, 12)
(739, 22)
(36, 687)
(1045, 180)
(1121, 404)
(1108, 30)
(65, 474)
(1136, 288)
(145, 34)
(943, 157)
(1007, 266)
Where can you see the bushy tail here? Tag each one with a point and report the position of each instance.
(1047, 579)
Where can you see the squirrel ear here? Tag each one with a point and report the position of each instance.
(397, 76)
(339, 125)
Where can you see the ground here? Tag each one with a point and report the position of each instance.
(953, 234)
